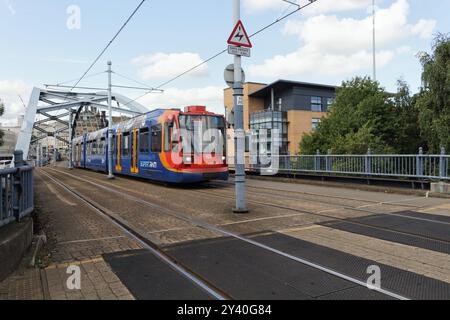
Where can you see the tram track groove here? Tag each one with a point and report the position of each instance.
(318, 214)
(322, 214)
(213, 228)
(375, 203)
(146, 243)
(360, 209)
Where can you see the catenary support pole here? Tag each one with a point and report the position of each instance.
(241, 205)
(374, 43)
(70, 139)
(110, 131)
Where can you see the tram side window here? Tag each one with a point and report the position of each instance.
(167, 130)
(102, 146)
(156, 138)
(126, 144)
(144, 145)
(94, 147)
(77, 147)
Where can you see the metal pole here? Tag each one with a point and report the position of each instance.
(47, 154)
(38, 155)
(55, 149)
(241, 205)
(110, 131)
(70, 140)
(374, 44)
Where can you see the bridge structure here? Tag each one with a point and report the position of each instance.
(64, 108)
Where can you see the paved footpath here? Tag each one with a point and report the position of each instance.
(76, 237)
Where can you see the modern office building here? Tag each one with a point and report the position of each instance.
(295, 108)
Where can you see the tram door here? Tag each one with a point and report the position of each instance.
(118, 151)
(134, 151)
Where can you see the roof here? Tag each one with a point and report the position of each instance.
(285, 84)
(248, 82)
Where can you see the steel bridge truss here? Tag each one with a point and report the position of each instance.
(47, 105)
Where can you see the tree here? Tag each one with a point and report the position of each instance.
(407, 139)
(2, 109)
(362, 117)
(434, 98)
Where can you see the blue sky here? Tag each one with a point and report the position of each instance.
(328, 43)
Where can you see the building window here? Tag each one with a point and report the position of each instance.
(315, 123)
(316, 104)
(330, 102)
(279, 103)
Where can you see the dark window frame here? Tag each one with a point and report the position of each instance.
(156, 139)
(126, 144)
(144, 140)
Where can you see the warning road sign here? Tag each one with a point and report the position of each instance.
(239, 36)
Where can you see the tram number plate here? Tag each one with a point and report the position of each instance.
(149, 164)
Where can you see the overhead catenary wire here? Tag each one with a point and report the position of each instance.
(108, 45)
(299, 7)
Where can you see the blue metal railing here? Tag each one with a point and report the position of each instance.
(420, 166)
(16, 191)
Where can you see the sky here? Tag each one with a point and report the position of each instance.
(54, 41)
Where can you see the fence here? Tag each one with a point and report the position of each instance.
(420, 166)
(16, 191)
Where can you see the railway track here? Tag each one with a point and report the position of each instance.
(338, 206)
(209, 227)
(147, 244)
(325, 198)
(346, 220)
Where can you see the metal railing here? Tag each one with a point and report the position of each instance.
(16, 191)
(420, 166)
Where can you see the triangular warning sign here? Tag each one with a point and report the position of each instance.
(239, 36)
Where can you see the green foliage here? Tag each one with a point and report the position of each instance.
(434, 99)
(362, 117)
(365, 116)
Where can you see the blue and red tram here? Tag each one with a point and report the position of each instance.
(151, 147)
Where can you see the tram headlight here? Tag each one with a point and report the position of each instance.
(224, 159)
(187, 160)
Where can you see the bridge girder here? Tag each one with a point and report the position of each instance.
(47, 103)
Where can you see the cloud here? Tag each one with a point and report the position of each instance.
(210, 96)
(10, 7)
(9, 94)
(310, 62)
(165, 65)
(327, 6)
(333, 46)
(321, 6)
